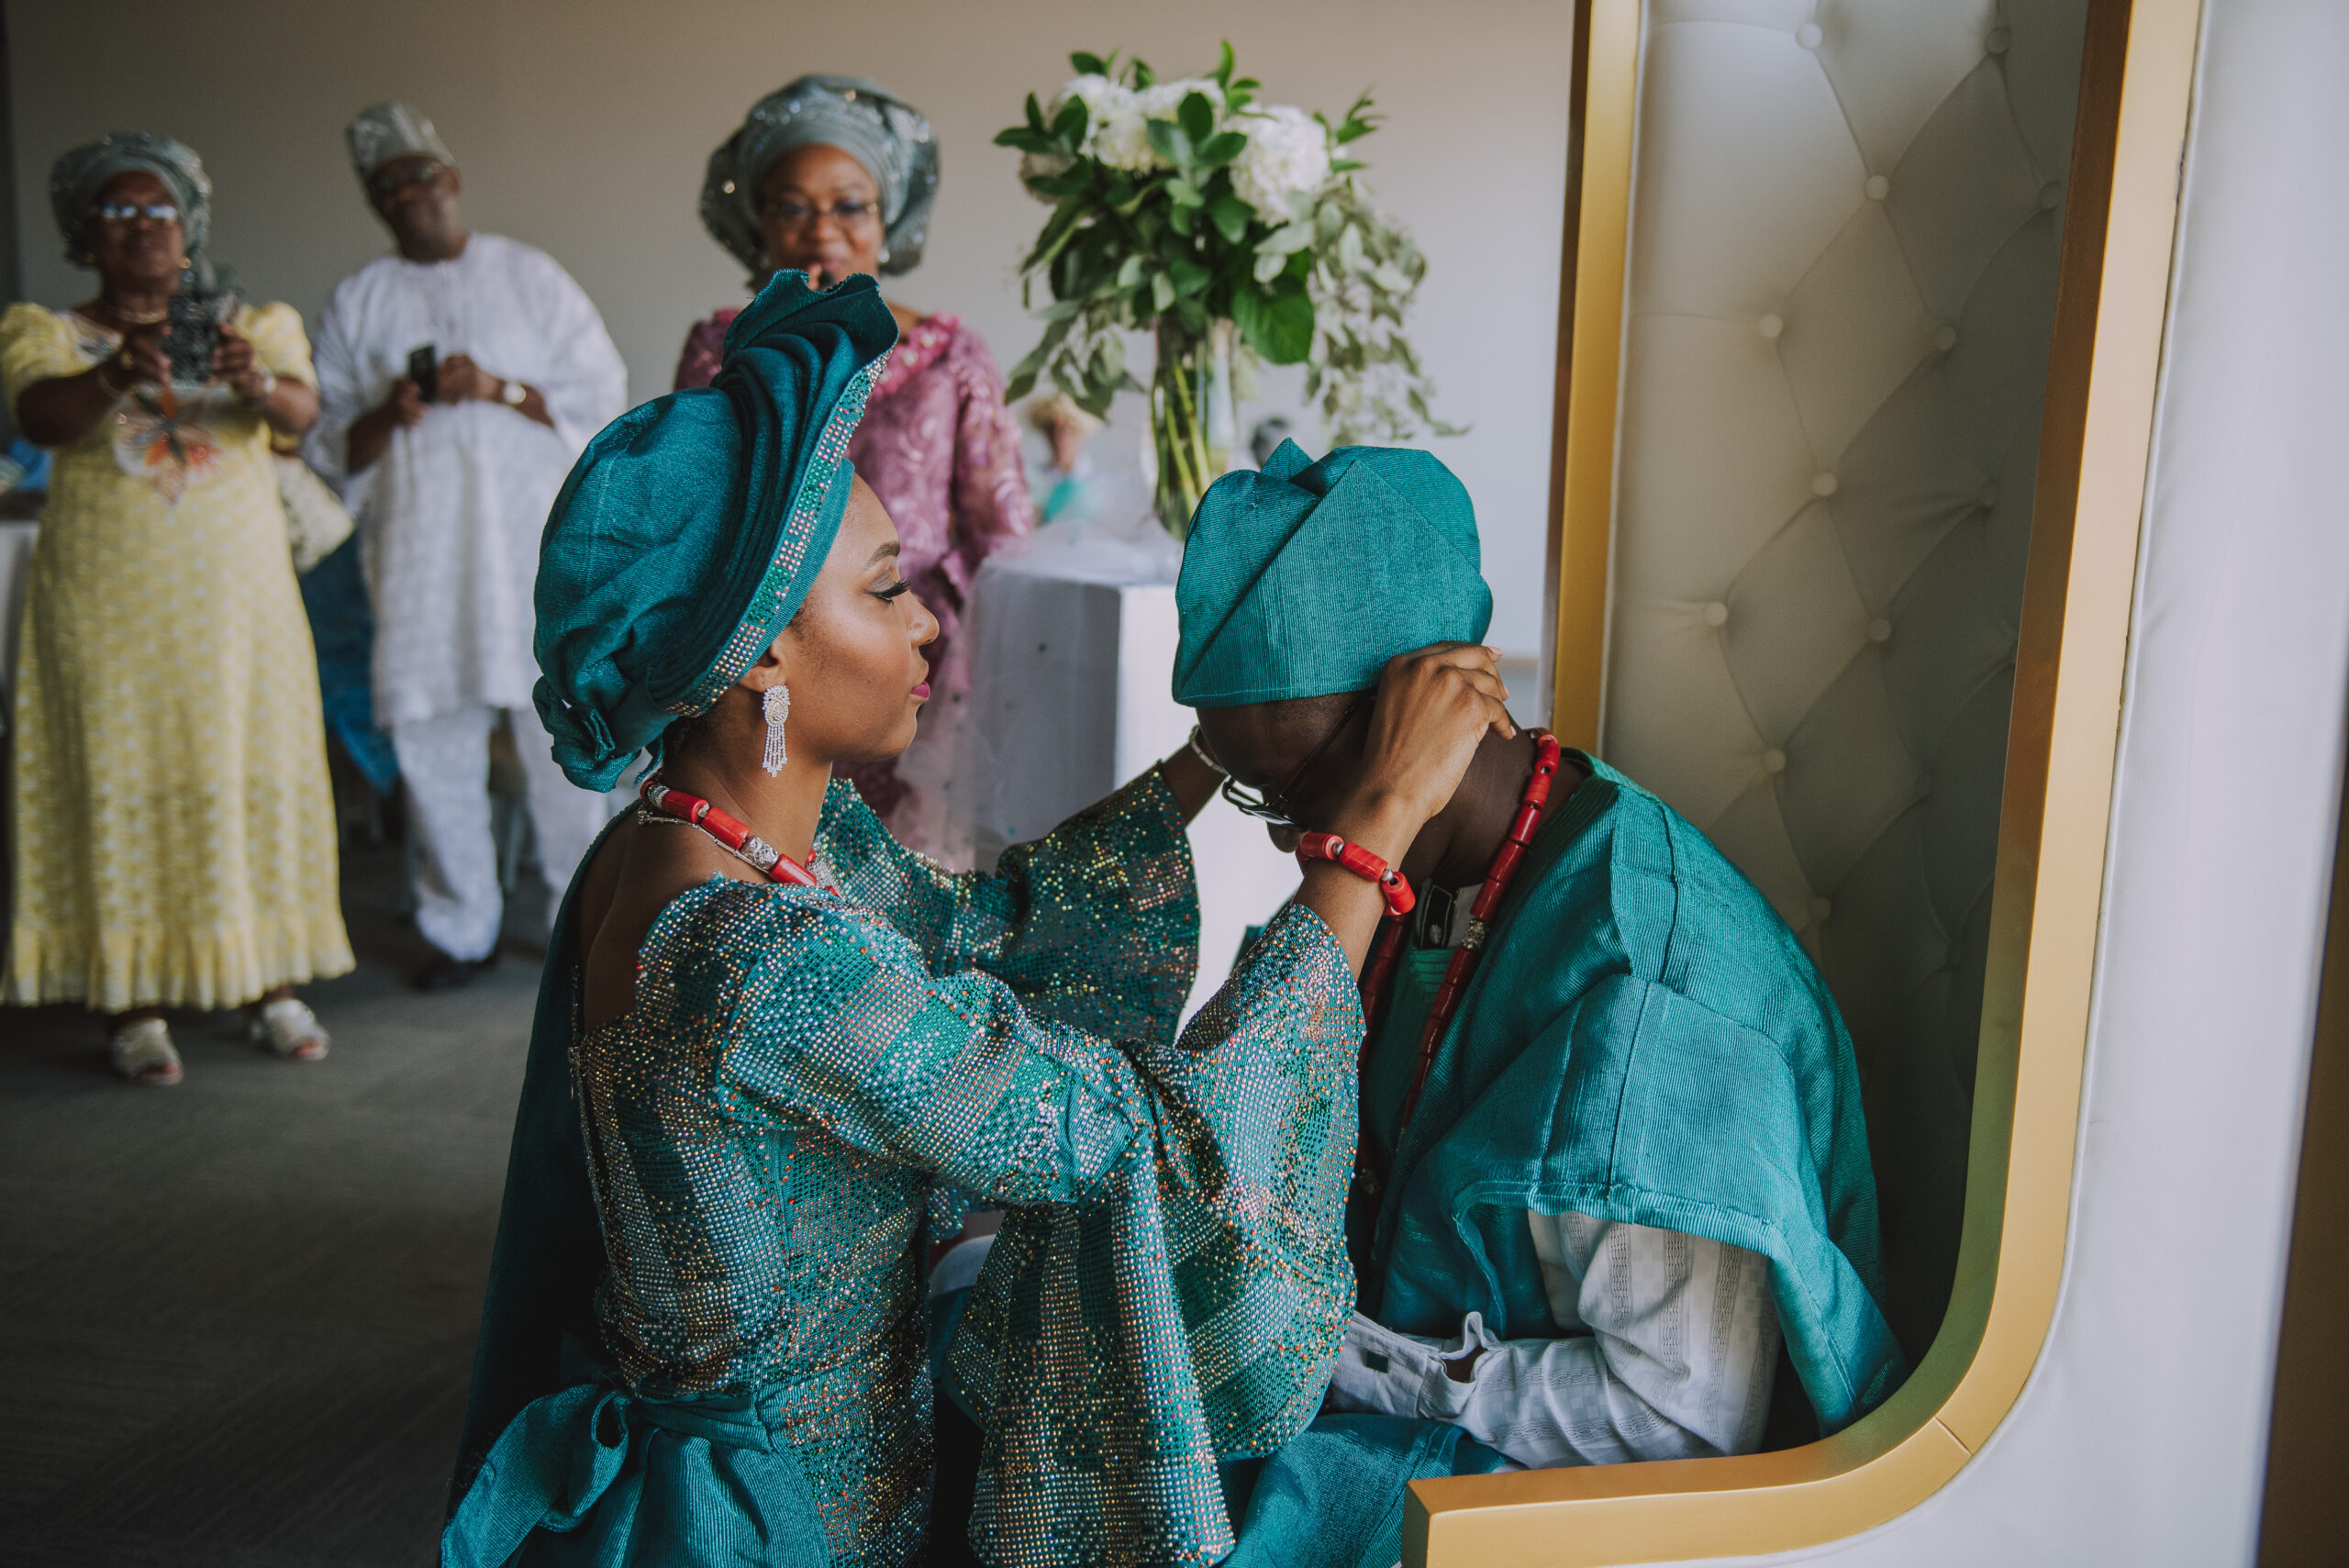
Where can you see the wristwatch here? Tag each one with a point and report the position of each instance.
(513, 394)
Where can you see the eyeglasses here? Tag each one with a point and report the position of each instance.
(1275, 808)
(393, 178)
(131, 212)
(849, 213)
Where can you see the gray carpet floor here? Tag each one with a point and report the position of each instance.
(237, 1316)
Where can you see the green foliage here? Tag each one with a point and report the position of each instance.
(1279, 328)
(1362, 370)
(1175, 247)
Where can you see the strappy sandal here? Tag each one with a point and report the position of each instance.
(142, 1051)
(289, 1028)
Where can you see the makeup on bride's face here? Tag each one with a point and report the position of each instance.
(856, 669)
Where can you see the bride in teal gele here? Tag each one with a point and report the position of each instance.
(768, 1036)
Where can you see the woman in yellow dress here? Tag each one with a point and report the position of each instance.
(170, 821)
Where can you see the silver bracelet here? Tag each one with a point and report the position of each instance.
(1196, 749)
(268, 389)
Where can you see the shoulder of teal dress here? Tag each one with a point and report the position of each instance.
(716, 937)
(848, 828)
(1095, 925)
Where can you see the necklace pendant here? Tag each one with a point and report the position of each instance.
(759, 853)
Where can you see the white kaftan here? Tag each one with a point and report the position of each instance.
(450, 515)
(450, 518)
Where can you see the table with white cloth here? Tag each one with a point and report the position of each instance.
(1072, 675)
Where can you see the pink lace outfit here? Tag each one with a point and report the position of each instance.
(940, 449)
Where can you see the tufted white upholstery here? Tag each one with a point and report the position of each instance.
(1842, 276)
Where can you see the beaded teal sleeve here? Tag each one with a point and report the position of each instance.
(1171, 1283)
(1115, 1349)
(1096, 924)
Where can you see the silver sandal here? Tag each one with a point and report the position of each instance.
(289, 1028)
(142, 1051)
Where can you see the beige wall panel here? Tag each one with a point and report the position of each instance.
(584, 127)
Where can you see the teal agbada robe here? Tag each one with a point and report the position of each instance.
(1646, 1042)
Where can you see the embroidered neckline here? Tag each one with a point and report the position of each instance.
(916, 352)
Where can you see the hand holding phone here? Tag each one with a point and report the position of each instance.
(190, 334)
(424, 369)
(141, 358)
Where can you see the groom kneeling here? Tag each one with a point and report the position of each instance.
(1603, 1178)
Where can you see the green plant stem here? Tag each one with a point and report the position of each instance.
(1181, 431)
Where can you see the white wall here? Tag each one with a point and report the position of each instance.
(582, 128)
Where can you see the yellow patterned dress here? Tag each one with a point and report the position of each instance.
(171, 824)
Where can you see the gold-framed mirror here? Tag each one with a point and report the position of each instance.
(1640, 656)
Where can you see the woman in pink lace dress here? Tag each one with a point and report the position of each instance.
(834, 175)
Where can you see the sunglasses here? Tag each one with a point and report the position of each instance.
(801, 215)
(397, 178)
(131, 212)
(1275, 808)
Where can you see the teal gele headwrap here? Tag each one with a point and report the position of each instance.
(1305, 579)
(691, 527)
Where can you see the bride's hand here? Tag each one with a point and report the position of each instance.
(1434, 705)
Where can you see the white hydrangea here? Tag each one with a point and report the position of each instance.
(1102, 98)
(1114, 132)
(1121, 139)
(1117, 128)
(1287, 151)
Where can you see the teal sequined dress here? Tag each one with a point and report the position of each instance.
(802, 1071)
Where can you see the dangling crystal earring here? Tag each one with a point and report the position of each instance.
(776, 705)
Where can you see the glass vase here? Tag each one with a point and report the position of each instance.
(1193, 426)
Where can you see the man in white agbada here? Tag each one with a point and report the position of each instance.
(451, 481)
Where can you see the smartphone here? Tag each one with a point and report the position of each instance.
(191, 332)
(424, 369)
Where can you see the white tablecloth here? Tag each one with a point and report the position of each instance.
(1071, 695)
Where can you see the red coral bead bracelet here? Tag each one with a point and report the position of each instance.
(1328, 847)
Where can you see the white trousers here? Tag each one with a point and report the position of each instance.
(444, 765)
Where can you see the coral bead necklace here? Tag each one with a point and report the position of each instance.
(664, 804)
(1378, 974)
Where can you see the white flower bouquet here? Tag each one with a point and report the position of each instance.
(1225, 226)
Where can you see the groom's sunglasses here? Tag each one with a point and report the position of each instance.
(1275, 808)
